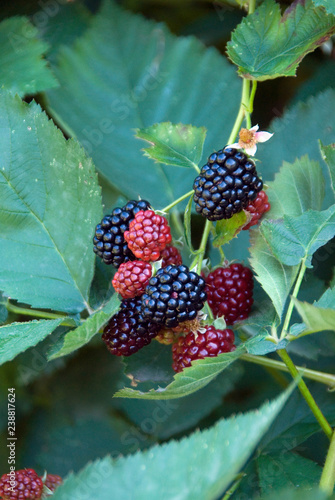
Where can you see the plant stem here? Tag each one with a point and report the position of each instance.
(38, 314)
(241, 112)
(327, 481)
(174, 203)
(293, 296)
(234, 486)
(203, 244)
(324, 378)
(306, 393)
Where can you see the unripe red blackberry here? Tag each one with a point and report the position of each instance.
(229, 292)
(226, 184)
(52, 481)
(211, 343)
(173, 296)
(28, 485)
(171, 257)
(132, 278)
(127, 331)
(148, 235)
(257, 208)
(109, 242)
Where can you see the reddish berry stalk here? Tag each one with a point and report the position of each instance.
(148, 235)
(257, 209)
(201, 345)
(229, 292)
(132, 278)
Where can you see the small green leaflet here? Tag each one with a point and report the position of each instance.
(198, 375)
(286, 469)
(329, 5)
(75, 339)
(50, 203)
(293, 239)
(213, 456)
(189, 380)
(227, 229)
(276, 278)
(328, 154)
(297, 187)
(18, 337)
(267, 45)
(318, 317)
(179, 145)
(22, 67)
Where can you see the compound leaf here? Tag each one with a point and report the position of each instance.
(146, 75)
(18, 337)
(22, 67)
(213, 456)
(267, 45)
(293, 239)
(50, 203)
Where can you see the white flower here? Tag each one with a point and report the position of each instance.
(248, 139)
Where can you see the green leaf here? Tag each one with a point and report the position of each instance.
(316, 317)
(213, 457)
(297, 187)
(298, 494)
(286, 469)
(293, 239)
(227, 229)
(179, 145)
(328, 154)
(296, 133)
(327, 4)
(190, 379)
(275, 278)
(296, 422)
(49, 205)
(260, 345)
(18, 337)
(146, 75)
(267, 45)
(152, 364)
(75, 339)
(22, 67)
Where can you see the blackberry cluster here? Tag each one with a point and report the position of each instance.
(174, 295)
(128, 331)
(109, 242)
(226, 184)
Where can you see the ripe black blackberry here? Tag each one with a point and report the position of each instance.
(109, 242)
(174, 295)
(127, 331)
(226, 184)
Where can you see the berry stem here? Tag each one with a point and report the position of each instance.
(203, 244)
(324, 378)
(293, 296)
(327, 481)
(306, 393)
(178, 200)
(234, 486)
(38, 314)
